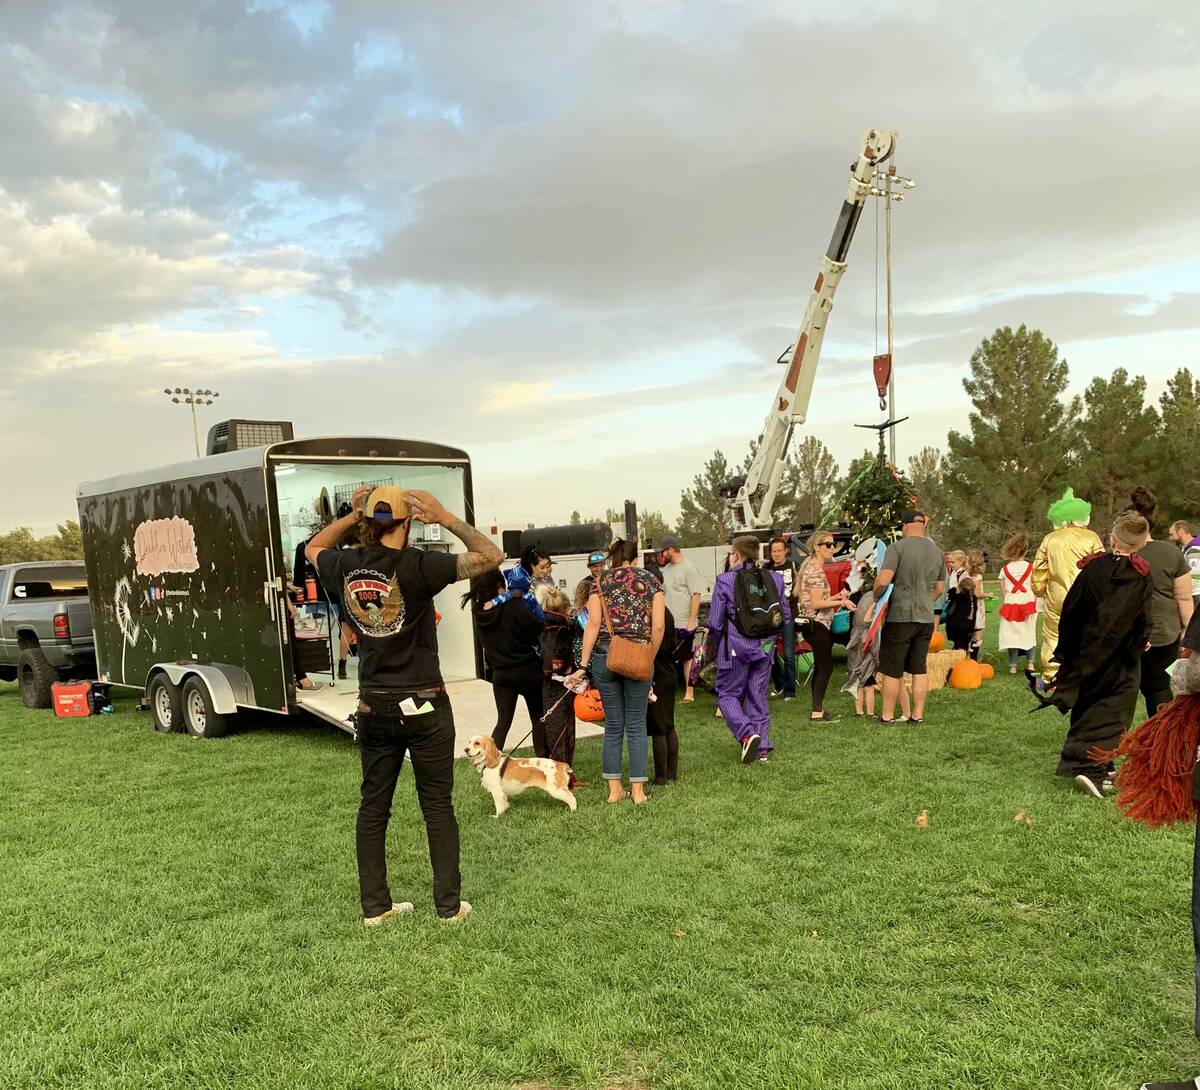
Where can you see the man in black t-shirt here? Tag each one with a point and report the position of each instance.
(387, 589)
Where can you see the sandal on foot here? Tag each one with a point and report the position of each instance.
(620, 798)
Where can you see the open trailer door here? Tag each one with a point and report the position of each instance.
(309, 479)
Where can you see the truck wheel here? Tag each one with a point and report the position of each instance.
(199, 717)
(35, 676)
(166, 707)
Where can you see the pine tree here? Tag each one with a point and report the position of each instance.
(1019, 453)
(1179, 439)
(703, 517)
(653, 529)
(809, 484)
(927, 472)
(1117, 443)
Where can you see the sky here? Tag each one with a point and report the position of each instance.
(571, 238)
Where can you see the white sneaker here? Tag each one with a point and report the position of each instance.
(1089, 786)
(464, 910)
(397, 909)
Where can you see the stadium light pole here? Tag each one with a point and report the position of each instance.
(182, 395)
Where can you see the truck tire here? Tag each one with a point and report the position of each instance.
(35, 676)
(166, 706)
(199, 718)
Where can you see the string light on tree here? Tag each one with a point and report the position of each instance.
(183, 395)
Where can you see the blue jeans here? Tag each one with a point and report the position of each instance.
(625, 703)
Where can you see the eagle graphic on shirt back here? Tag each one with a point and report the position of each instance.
(374, 601)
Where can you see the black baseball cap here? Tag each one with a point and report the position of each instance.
(913, 515)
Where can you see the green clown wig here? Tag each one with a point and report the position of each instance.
(1069, 509)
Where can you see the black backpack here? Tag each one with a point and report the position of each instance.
(757, 611)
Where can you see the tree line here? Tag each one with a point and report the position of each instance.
(1026, 441)
(20, 546)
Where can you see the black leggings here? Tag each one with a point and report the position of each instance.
(507, 687)
(820, 639)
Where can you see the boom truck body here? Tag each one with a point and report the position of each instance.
(752, 498)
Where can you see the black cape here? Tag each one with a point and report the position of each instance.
(1100, 639)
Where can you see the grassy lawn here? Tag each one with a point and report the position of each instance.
(184, 914)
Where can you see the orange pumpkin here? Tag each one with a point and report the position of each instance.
(966, 675)
(987, 671)
(589, 707)
(937, 641)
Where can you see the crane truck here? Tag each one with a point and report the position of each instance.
(752, 498)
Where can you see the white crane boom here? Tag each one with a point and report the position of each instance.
(790, 406)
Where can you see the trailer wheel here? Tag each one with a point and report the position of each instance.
(35, 675)
(199, 717)
(166, 706)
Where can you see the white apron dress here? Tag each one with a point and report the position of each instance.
(1018, 606)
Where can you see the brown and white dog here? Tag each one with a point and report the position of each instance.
(504, 779)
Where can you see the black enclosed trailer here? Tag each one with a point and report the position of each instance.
(187, 567)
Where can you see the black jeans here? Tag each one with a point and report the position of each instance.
(384, 735)
(507, 687)
(820, 639)
(1155, 681)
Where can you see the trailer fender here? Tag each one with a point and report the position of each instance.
(227, 685)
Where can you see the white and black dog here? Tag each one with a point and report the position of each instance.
(503, 777)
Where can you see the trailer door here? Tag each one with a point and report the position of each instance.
(265, 650)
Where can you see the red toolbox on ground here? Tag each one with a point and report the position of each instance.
(73, 699)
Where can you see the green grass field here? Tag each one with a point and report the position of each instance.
(184, 914)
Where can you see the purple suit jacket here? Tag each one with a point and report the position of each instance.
(731, 643)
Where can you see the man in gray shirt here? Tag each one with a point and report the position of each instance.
(916, 571)
(682, 584)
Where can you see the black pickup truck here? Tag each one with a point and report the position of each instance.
(45, 627)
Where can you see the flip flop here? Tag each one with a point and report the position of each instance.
(620, 798)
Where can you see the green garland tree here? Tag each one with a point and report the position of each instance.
(874, 502)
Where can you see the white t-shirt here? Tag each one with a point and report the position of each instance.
(680, 582)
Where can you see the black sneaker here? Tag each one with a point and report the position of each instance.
(1089, 786)
(341, 669)
(750, 748)
(1191, 1084)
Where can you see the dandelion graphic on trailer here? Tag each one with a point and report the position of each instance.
(130, 629)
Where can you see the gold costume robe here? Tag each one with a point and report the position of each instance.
(1054, 570)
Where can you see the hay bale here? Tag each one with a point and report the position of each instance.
(937, 665)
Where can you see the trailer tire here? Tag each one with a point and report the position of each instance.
(35, 676)
(166, 705)
(199, 718)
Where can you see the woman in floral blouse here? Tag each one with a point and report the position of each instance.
(818, 604)
(634, 602)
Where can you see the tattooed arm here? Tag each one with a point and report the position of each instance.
(482, 554)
